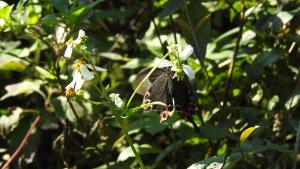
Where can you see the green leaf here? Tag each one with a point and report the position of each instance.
(32, 14)
(116, 13)
(210, 163)
(10, 63)
(82, 9)
(263, 60)
(247, 36)
(200, 27)
(44, 74)
(214, 132)
(227, 34)
(171, 7)
(149, 122)
(141, 149)
(166, 152)
(5, 11)
(225, 54)
(60, 5)
(64, 110)
(9, 122)
(293, 100)
(49, 20)
(112, 56)
(134, 63)
(25, 87)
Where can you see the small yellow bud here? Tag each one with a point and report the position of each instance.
(78, 63)
(69, 92)
(69, 41)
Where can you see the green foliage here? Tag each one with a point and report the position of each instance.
(246, 60)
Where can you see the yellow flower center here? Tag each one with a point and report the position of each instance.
(78, 63)
(69, 92)
(69, 41)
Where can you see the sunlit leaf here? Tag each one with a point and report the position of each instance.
(281, 18)
(44, 74)
(246, 133)
(5, 11)
(141, 149)
(247, 36)
(11, 63)
(9, 122)
(25, 87)
(112, 56)
(171, 7)
(210, 163)
(293, 100)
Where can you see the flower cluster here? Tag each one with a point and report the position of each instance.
(177, 56)
(72, 43)
(81, 68)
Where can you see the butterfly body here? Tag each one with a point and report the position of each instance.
(163, 87)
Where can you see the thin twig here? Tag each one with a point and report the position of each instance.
(157, 33)
(234, 56)
(201, 58)
(173, 28)
(297, 146)
(24, 141)
(77, 116)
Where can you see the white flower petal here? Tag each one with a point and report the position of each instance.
(186, 53)
(77, 81)
(81, 34)
(86, 74)
(165, 63)
(71, 85)
(189, 71)
(68, 51)
(114, 97)
(77, 41)
(99, 69)
(174, 68)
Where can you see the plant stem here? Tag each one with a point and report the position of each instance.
(102, 91)
(23, 143)
(297, 146)
(235, 53)
(129, 140)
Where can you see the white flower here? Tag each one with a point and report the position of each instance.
(81, 74)
(184, 55)
(71, 43)
(114, 97)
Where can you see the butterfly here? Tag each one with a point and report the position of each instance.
(163, 87)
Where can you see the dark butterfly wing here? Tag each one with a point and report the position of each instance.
(148, 83)
(161, 86)
(184, 100)
(161, 90)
